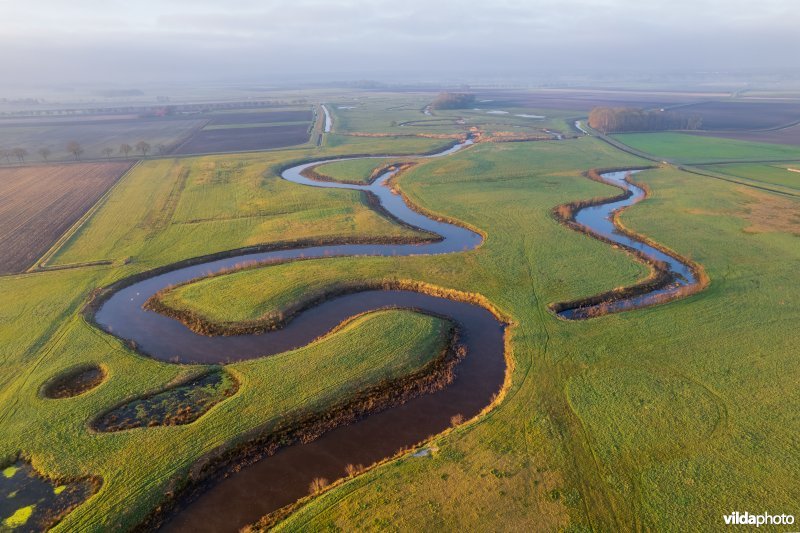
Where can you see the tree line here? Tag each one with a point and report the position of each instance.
(453, 101)
(626, 119)
(75, 149)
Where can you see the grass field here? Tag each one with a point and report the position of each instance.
(170, 209)
(385, 145)
(38, 203)
(634, 420)
(356, 170)
(378, 115)
(686, 148)
(786, 136)
(775, 174)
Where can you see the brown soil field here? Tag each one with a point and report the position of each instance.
(585, 100)
(733, 115)
(790, 136)
(39, 203)
(257, 117)
(244, 139)
(93, 136)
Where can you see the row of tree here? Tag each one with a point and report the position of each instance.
(76, 150)
(453, 101)
(623, 119)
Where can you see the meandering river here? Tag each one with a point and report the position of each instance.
(280, 479)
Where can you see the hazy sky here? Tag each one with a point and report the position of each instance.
(169, 40)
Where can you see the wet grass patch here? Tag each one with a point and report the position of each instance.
(74, 382)
(180, 404)
(31, 502)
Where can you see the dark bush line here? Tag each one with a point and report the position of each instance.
(659, 278)
(448, 100)
(626, 119)
(306, 426)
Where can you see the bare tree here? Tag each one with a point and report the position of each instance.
(143, 147)
(20, 154)
(75, 149)
(125, 148)
(107, 151)
(161, 149)
(45, 153)
(5, 153)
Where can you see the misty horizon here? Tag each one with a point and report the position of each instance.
(277, 42)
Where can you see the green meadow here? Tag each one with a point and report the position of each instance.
(355, 170)
(635, 420)
(687, 148)
(773, 174)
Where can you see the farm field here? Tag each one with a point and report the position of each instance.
(39, 203)
(739, 115)
(93, 136)
(191, 133)
(686, 148)
(626, 421)
(248, 131)
(242, 139)
(581, 101)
